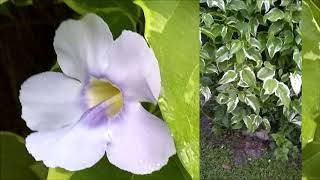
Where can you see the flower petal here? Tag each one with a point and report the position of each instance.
(50, 100)
(139, 141)
(134, 68)
(73, 147)
(82, 45)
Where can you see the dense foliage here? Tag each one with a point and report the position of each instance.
(251, 67)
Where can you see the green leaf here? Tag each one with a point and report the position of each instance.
(236, 5)
(275, 28)
(240, 56)
(222, 54)
(253, 102)
(266, 4)
(3, 1)
(208, 20)
(16, 162)
(232, 104)
(265, 73)
(311, 160)
(270, 86)
(252, 122)
(112, 11)
(179, 66)
(283, 93)
(235, 47)
(255, 43)
(274, 15)
(104, 170)
(253, 54)
(311, 75)
(266, 124)
(247, 76)
(297, 57)
(228, 76)
(222, 98)
(274, 45)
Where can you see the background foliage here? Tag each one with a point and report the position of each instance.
(161, 24)
(251, 67)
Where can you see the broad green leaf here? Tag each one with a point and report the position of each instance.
(16, 162)
(104, 170)
(240, 56)
(310, 31)
(222, 54)
(247, 76)
(311, 160)
(265, 73)
(112, 11)
(253, 102)
(175, 44)
(274, 15)
(270, 86)
(253, 54)
(311, 74)
(273, 45)
(229, 76)
(283, 93)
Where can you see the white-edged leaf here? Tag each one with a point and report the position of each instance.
(205, 91)
(283, 93)
(232, 104)
(235, 47)
(253, 54)
(274, 45)
(253, 102)
(228, 76)
(265, 73)
(297, 57)
(266, 124)
(222, 98)
(274, 15)
(252, 122)
(295, 80)
(247, 76)
(270, 86)
(222, 54)
(217, 3)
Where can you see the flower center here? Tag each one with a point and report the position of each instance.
(100, 91)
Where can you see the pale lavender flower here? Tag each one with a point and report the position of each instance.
(93, 108)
